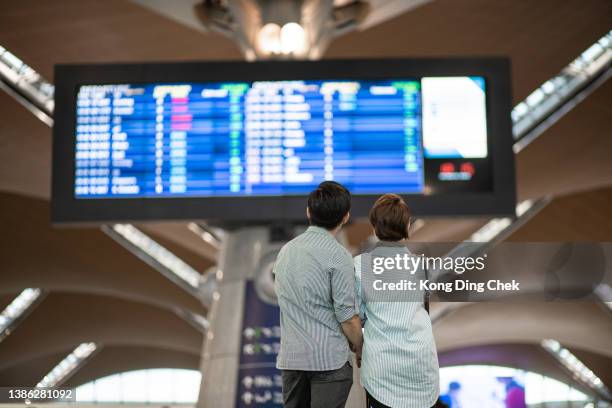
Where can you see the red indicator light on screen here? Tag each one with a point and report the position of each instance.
(447, 167)
(468, 167)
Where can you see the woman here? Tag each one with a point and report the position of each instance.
(399, 366)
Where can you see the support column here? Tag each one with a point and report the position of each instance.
(239, 260)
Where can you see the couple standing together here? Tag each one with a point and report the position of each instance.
(323, 307)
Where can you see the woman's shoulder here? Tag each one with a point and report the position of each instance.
(357, 264)
(364, 256)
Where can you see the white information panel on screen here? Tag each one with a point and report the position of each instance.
(454, 117)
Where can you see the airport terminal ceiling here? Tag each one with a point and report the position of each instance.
(540, 38)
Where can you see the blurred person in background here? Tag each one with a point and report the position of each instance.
(451, 398)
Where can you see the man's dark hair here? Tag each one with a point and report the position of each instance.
(328, 204)
(390, 217)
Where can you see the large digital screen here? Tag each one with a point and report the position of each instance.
(273, 137)
(266, 131)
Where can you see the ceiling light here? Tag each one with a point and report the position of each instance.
(269, 38)
(292, 39)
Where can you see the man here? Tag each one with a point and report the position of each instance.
(319, 322)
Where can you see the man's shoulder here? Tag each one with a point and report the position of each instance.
(318, 245)
(340, 255)
(295, 243)
(299, 245)
(343, 252)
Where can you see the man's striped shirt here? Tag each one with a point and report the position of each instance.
(314, 281)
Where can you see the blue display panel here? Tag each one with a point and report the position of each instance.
(264, 138)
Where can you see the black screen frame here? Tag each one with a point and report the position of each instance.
(67, 209)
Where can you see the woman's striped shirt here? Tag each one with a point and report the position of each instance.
(399, 363)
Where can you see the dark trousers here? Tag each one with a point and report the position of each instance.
(317, 389)
(371, 402)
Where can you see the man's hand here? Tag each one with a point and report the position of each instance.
(352, 331)
(357, 351)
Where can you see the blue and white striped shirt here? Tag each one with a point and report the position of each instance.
(399, 365)
(316, 292)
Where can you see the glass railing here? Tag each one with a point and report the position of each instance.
(553, 93)
(157, 256)
(18, 307)
(578, 369)
(25, 80)
(68, 366)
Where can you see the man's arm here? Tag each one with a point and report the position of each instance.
(352, 330)
(343, 299)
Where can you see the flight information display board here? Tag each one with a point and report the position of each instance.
(261, 138)
(156, 143)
